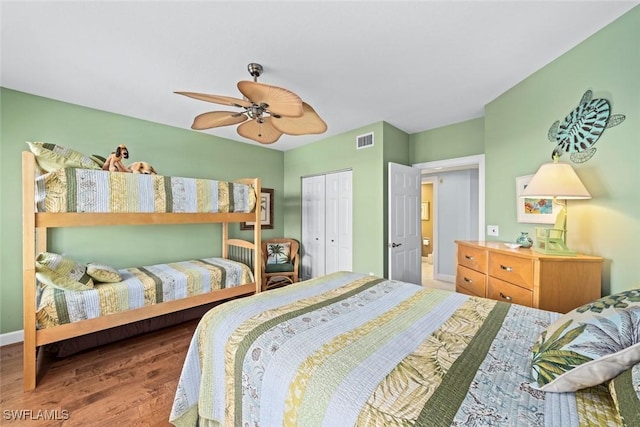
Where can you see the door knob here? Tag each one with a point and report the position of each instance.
(395, 245)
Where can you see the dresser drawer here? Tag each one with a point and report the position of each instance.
(473, 258)
(512, 269)
(503, 291)
(470, 282)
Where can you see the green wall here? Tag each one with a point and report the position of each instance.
(335, 154)
(448, 142)
(171, 150)
(516, 144)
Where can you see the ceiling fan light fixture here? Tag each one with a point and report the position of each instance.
(269, 111)
(255, 70)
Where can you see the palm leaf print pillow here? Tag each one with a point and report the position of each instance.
(278, 253)
(589, 345)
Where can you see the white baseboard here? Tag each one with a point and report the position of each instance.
(11, 338)
(446, 278)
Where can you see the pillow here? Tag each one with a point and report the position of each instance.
(100, 160)
(51, 157)
(278, 253)
(52, 278)
(103, 273)
(63, 267)
(625, 392)
(589, 345)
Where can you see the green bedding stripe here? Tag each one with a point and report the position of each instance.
(231, 204)
(248, 339)
(628, 403)
(71, 189)
(168, 194)
(223, 273)
(443, 405)
(61, 306)
(157, 281)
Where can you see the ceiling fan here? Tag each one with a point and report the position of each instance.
(267, 111)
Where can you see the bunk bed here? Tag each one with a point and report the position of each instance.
(38, 218)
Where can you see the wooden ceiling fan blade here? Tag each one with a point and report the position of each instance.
(216, 119)
(309, 123)
(280, 101)
(217, 99)
(264, 132)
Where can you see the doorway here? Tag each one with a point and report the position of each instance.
(454, 218)
(426, 227)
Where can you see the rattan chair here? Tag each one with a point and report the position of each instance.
(277, 266)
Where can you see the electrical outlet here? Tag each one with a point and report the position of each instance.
(493, 230)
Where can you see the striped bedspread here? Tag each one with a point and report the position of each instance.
(141, 286)
(89, 190)
(348, 349)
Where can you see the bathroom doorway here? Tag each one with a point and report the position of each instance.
(427, 210)
(457, 209)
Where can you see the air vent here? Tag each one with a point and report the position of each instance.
(364, 141)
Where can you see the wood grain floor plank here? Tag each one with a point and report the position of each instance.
(131, 382)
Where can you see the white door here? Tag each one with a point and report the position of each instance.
(404, 224)
(313, 227)
(338, 222)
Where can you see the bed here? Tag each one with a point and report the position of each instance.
(64, 188)
(351, 349)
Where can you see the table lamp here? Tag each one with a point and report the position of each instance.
(557, 181)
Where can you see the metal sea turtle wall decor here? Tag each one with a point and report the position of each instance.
(582, 127)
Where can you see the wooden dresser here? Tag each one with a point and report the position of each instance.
(522, 276)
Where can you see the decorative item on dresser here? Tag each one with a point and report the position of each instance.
(522, 276)
(559, 182)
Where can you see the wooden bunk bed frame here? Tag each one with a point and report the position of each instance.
(35, 227)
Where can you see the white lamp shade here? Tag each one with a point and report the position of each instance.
(557, 180)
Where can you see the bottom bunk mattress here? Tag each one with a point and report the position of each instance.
(139, 287)
(350, 349)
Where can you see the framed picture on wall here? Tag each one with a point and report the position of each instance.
(424, 211)
(266, 214)
(536, 211)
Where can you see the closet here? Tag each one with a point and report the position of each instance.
(327, 223)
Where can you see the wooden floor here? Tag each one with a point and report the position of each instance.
(130, 383)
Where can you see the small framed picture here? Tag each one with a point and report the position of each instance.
(536, 211)
(266, 214)
(424, 211)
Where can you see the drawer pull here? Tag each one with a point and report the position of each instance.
(466, 279)
(503, 296)
(469, 257)
(505, 268)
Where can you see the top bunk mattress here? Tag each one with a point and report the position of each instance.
(97, 191)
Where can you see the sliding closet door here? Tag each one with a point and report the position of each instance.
(339, 222)
(313, 227)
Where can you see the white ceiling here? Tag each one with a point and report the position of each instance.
(417, 65)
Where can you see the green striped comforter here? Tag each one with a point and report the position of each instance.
(140, 287)
(90, 190)
(349, 349)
